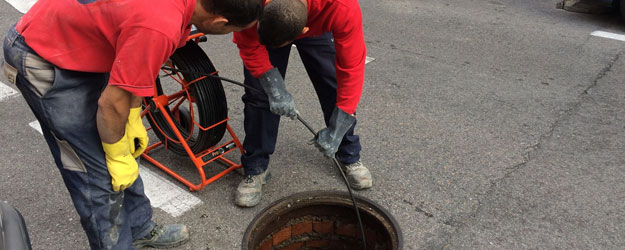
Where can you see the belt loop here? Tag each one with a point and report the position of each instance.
(12, 35)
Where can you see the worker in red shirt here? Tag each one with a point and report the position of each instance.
(329, 38)
(83, 67)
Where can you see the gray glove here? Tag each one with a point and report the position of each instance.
(329, 139)
(280, 101)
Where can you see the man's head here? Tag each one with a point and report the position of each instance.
(282, 22)
(225, 16)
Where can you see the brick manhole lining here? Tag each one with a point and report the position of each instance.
(321, 220)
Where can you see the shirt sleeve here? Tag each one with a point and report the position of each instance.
(350, 57)
(254, 55)
(140, 52)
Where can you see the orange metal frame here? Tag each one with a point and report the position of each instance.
(201, 159)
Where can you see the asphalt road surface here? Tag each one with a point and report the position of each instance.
(494, 124)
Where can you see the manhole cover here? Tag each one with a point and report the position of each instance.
(321, 220)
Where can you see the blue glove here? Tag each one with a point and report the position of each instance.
(329, 139)
(280, 101)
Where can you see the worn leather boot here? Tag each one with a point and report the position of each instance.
(250, 190)
(358, 175)
(162, 236)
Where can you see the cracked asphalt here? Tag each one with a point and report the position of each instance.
(493, 124)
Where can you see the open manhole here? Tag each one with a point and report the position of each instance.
(322, 220)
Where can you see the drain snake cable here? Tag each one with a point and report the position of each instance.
(299, 117)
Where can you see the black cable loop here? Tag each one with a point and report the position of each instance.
(210, 100)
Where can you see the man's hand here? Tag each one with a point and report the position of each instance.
(329, 139)
(113, 111)
(121, 164)
(136, 133)
(280, 101)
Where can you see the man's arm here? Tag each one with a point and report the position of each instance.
(139, 55)
(136, 65)
(254, 55)
(113, 108)
(350, 57)
(256, 59)
(350, 69)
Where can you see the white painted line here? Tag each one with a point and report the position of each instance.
(21, 5)
(162, 193)
(6, 91)
(165, 195)
(367, 60)
(35, 125)
(610, 35)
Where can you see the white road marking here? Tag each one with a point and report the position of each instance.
(162, 193)
(6, 91)
(35, 125)
(165, 195)
(21, 5)
(609, 35)
(367, 60)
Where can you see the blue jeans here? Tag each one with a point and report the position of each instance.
(65, 104)
(261, 126)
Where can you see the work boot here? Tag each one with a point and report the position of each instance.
(162, 236)
(358, 175)
(250, 190)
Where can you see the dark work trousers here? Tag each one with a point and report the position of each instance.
(65, 104)
(261, 126)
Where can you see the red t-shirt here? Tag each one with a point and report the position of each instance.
(130, 39)
(341, 17)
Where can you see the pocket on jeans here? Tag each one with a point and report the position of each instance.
(69, 158)
(10, 72)
(39, 72)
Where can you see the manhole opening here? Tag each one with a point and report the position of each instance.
(321, 220)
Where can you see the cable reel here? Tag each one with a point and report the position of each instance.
(195, 103)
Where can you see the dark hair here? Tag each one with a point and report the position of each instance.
(282, 21)
(238, 12)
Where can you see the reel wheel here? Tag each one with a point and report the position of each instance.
(194, 103)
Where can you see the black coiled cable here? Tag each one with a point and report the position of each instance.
(209, 98)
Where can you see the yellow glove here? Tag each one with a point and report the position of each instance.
(121, 164)
(136, 133)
